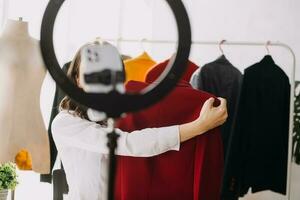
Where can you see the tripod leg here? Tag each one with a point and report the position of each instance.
(112, 144)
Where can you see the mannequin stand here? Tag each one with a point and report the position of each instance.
(13, 195)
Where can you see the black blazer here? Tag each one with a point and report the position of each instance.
(60, 185)
(222, 79)
(258, 152)
(296, 132)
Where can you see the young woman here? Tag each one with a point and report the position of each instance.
(82, 144)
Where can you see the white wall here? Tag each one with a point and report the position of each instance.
(234, 20)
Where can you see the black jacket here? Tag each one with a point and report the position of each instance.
(222, 79)
(259, 145)
(296, 132)
(60, 186)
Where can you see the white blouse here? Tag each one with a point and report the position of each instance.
(82, 147)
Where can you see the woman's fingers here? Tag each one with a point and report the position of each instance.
(222, 111)
(223, 106)
(223, 103)
(208, 103)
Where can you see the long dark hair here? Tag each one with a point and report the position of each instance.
(73, 74)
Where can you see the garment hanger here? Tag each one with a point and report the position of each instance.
(267, 47)
(142, 44)
(98, 40)
(220, 46)
(145, 53)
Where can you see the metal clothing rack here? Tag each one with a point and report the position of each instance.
(246, 44)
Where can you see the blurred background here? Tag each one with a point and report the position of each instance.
(80, 21)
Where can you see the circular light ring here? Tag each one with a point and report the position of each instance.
(115, 104)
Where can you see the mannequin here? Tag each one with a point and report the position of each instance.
(21, 75)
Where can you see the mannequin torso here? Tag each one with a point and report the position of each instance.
(21, 75)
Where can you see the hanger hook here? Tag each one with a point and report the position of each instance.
(267, 46)
(118, 42)
(220, 46)
(98, 40)
(142, 43)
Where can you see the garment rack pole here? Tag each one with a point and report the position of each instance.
(244, 43)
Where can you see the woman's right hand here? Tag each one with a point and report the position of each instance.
(210, 118)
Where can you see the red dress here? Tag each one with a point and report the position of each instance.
(194, 172)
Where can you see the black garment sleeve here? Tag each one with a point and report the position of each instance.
(59, 95)
(60, 185)
(296, 131)
(47, 178)
(231, 179)
(285, 137)
(201, 79)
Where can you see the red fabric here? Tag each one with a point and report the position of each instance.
(156, 71)
(193, 173)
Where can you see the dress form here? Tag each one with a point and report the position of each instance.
(21, 75)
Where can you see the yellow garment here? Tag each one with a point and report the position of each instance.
(23, 160)
(136, 69)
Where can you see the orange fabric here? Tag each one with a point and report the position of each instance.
(137, 68)
(23, 160)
